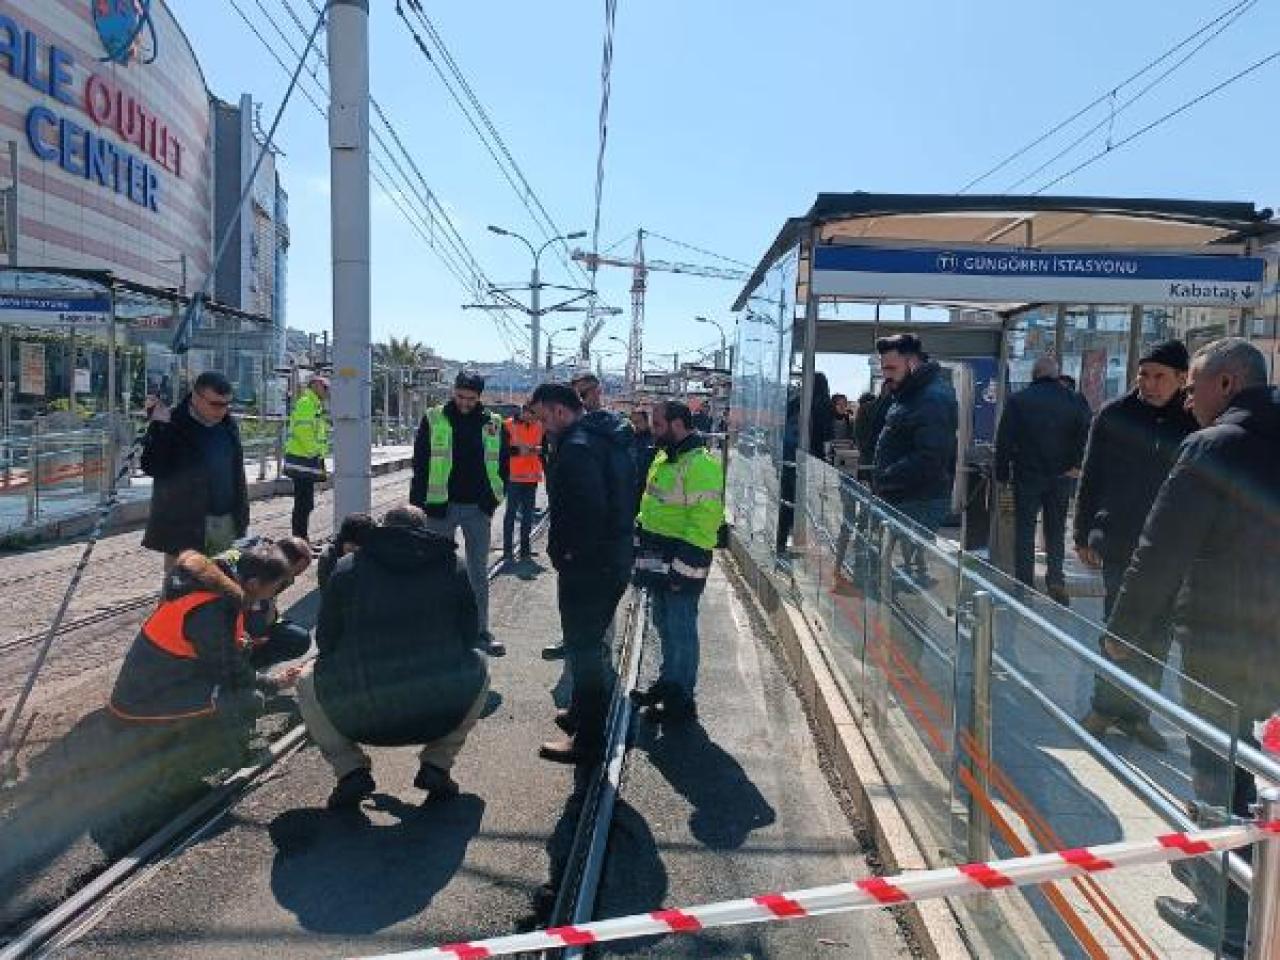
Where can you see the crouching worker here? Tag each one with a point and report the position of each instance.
(273, 639)
(397, 663)
(186, 689)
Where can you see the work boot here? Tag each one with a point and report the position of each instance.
(492, 646)
(565, 721)
(553, 651)
(1096, 724)
(1145, 734)
(570, 751)
(436, 782)
(653, 696)
(1058, 594)
(1198, 924)
(351, 789)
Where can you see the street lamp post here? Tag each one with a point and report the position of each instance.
(535, 310)
(551, 339)
(723, 355)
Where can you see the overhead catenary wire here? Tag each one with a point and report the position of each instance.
(1164, 118)
(418, 205)
(602, 127)
(1102, 98)
(1109, 120)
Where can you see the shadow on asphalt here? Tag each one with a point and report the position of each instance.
(727, 805)
(344, 873)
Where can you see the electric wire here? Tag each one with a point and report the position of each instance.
(606, 90)
(1109, 120)
(690, 246)
(1187, 105)
(1061, 125)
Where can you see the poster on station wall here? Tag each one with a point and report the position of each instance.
(31, 369)
(1093, 377)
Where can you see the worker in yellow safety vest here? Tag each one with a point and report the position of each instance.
(681, 514)
(305, 450)
(524, 433)
(460, 466)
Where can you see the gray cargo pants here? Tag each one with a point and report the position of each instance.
(476, 529)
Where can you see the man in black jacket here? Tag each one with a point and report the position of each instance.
(915, 457)
(591, 488)
(1132, 446)
(200, 500)
(461, 464)
(1039, 447)
(397, 663)
(1210, 549)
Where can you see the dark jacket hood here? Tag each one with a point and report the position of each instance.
(402, 549)
(610, 426)
(194, 571)
(1257, 410)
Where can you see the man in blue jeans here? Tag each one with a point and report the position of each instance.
(680, 518)
(915, 459)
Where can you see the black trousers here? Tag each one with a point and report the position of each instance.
(304, 501)
(786, 509)
(286, 640)
(587, 603)
(1033, 496)
(1108, 699)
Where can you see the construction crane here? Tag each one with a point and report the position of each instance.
(640, 268)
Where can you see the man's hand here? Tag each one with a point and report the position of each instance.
(1089, 556)
(287, 677)
(1116, 650)
(156, 409)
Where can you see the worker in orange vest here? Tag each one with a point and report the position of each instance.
(187, 688)
(525, 436)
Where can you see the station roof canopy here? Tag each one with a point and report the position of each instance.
(1039, 222)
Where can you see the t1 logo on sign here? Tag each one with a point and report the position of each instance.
(120, 24)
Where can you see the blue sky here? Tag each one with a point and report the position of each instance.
(727, 117)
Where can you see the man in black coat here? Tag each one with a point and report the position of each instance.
(1210, 549)
(1132, 447)
(397, 663)
(1039, 446)
(915, 458)
(200, 500)
(591, 489)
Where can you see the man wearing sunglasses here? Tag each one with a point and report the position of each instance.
(199, 500)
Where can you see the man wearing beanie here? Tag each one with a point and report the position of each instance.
(1132, 448)
(460, 466)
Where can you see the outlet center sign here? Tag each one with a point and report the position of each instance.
(95, 129)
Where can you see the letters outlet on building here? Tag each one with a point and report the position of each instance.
(115, 156)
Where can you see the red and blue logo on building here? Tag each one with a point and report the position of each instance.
(121, 25)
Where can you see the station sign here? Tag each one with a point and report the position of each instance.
(29, 310)
(1037, 276)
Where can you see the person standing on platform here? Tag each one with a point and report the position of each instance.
(200, 499)
(1039, 447)
(460, 469)
(643, 450)
(305, 450)
(525, 435)
(592, 498)
(1210, 551)
(915, 458)
(680, 519)
(841, 419)
(1132, 447)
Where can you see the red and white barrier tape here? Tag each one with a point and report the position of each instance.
(862, 894)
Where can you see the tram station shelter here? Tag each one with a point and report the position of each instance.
(990, 283)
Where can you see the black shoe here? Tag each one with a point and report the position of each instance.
(1197, 923)
(570, 751)
(436, 782)
(1145, 734)
(494, 648)
(554, 651)
(564, 720)
(351, 789)
(680, 710)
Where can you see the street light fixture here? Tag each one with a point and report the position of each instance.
(551, 339)
(534, 310)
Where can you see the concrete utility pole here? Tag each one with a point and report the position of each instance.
(349, 213)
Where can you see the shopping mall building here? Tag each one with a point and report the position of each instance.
(119, 170)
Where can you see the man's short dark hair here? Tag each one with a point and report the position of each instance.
(264, 562)
(406, 515)
(295, 549)
(907, 344)
(213, 381)
(354, 528)
(673, 410)
(558, 393)
(468, 380)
